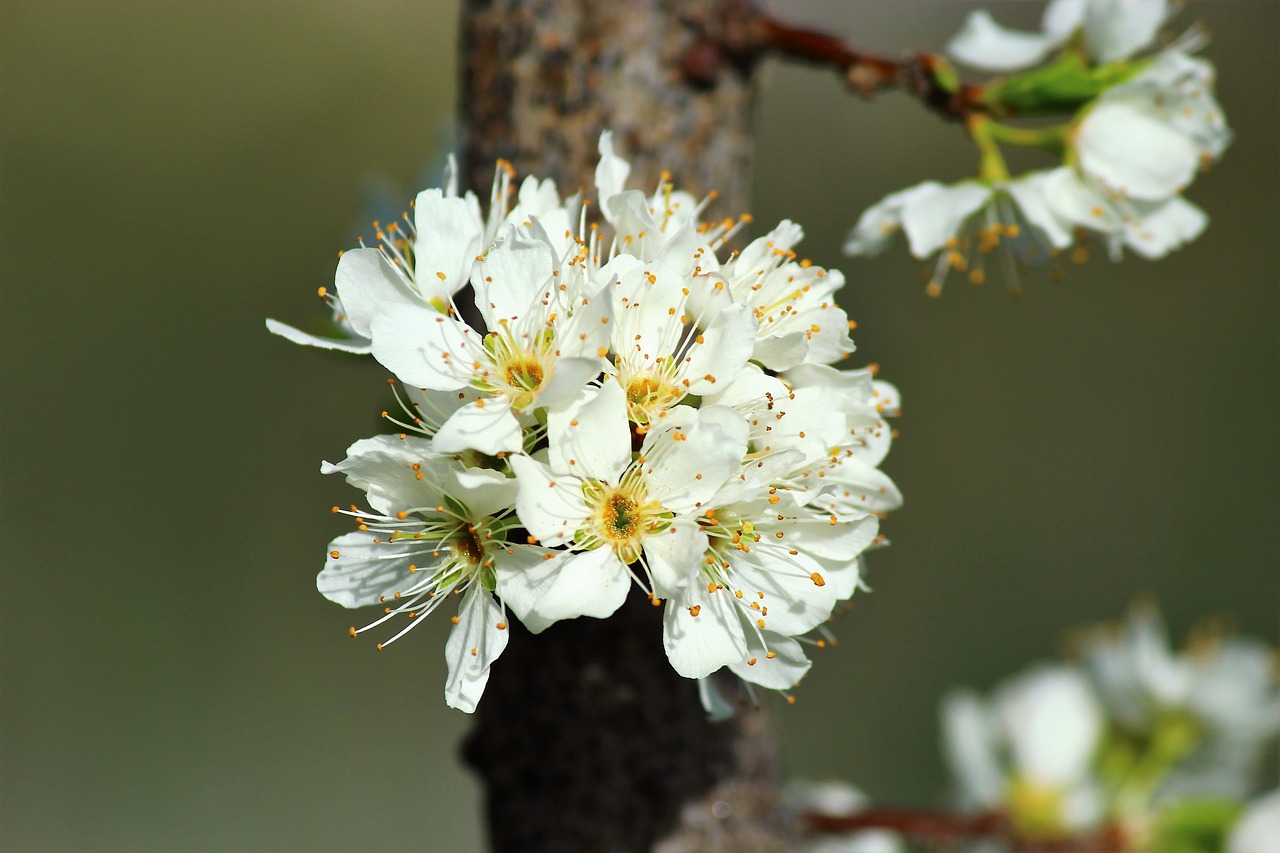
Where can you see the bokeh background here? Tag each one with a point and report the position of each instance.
(173, 172)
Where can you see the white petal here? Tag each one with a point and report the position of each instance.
(674, 556)
(728, 342)
(473, 645)
(756, 477)
(366, 281)
(511, 278)
(969, 748)
(846, 577)
(1053, 723)
(592, 437)
(699, 645)
(568, 380)
(781, 672)
(878, 223)
(383, 467)
(523, 576)
(550, 507)
(365, 572)
(1117, 29)
(1134, 152)
(844, 540)
(450, 177)
(588, 328)
(577, 583)
(1169, 226)
(359, 346)
(683, 474)
(449, 235)
(1061, 18)
(796, 603)
(486, 425)
(1029, 192)
(984, 44)
(628, 213)
(934, 215)
(423, 347)
(1258, 829)
(763, 251)
(483, 491)
(862, 487)
(782, 352)
(718, 708)
(831, 342)
(611, 171)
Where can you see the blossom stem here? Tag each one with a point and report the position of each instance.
(926, 76)
(991, 162)
(1052, 139)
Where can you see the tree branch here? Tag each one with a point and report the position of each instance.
(925, 76)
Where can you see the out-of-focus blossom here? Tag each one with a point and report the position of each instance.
(1110, 30)
(837, 799)
(1220, 697)
(963, 223)
(1028, 751)
(1258, 829)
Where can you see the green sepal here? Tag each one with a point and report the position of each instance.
(455, 506)
(1065, 85)
(476, 459)
(447, 578)
(488, 579)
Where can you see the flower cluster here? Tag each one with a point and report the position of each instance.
(1136, 740)
(628, 405)
(1140, 127)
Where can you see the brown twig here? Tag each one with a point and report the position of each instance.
(936, 829)
(933, 826)
(920, 75)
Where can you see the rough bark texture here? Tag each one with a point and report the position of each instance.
(542, 78)
(586, 738)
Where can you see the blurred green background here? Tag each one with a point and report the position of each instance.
(172, 173)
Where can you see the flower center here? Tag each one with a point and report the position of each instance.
(523, 364)
(621, 517)
(467, 545)
(525, 374)
(648, 394)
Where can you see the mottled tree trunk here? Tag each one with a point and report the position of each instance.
(586, 738)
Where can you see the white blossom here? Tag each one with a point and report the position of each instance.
(1028, 750)
(1258, 829)
(436, 531)
(425, 259)
(1110, 30)
(1225, 686)
(963, 223)
(1136, 149)
(611, 509)
(627, 409)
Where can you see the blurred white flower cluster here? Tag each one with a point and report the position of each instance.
(1139, 127)
(1145, 747)
(632, 406)
(1133, 748)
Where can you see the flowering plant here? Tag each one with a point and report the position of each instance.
(1137, 129)
(628, 404)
